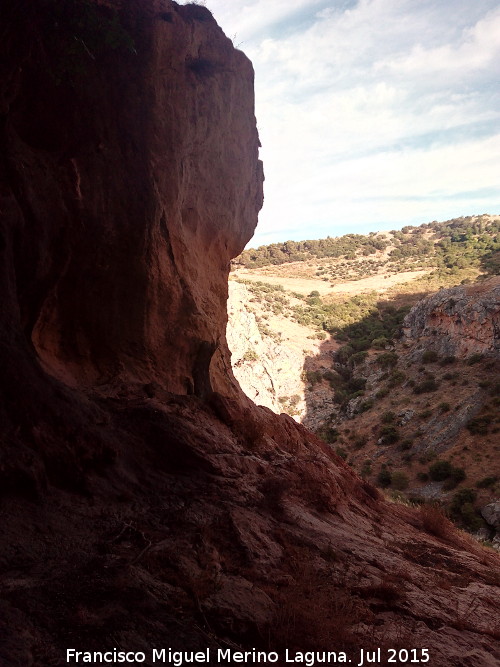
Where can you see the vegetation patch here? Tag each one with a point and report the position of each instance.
(450, 248)
(462, 509)
(480, 425)
(429, 357)
(426, 386)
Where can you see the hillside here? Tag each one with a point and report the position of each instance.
(455, 245)
(146, 503)
(349, 360)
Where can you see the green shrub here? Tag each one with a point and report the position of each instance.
(406, 444)
(387, 359)
(358, 358)
(462, 509)
(479, 425)
(469, 517)
(384, 478)
(366, 469)
(388, 417)
(313, 377)
(389, 434)
(440, 470)
(396, 378)
(429, 357)
(360, 441)
(457, 475)
(380, 343)
(463, 496)
(446, 361)
(474, 359)
(444, 407)
(356, 384)
(250, 355)
(328, 434)
(426, 386)
(366, 405)
(382, 393)
(486, 482)
(399, 480)
(340, 451)
(427, 456)
(422, 477)
(343, 353)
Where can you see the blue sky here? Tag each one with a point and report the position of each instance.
(372, 114)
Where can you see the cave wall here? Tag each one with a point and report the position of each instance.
(129, 177)
(134, 514)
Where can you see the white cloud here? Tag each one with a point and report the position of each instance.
(251, 19)
(372, 110)
(478, 49)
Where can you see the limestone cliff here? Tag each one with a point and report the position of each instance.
(461, 321)
(250, 353)
(268, 368)
(145, 502)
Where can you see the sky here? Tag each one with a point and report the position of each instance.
(372, 114)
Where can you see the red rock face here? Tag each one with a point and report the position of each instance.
(130, 186)
(459, 321)
(140, 508)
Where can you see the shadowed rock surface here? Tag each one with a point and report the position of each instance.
(145, 502)
(462, 321)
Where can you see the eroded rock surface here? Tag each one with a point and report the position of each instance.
(144, 500)
(461, 321)
(126, 195)
(266, 369)
(491, 514)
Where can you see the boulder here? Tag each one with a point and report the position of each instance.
(491, 514)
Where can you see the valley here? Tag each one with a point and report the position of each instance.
(145, 500)
(328, 341)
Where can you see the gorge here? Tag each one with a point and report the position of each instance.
(145, 500)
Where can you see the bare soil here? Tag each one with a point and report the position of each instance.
(379, 283)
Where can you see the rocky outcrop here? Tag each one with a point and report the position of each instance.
(491, 514)
(116, 253)
(268, 370)
(250, 353)
(442, 430)
(461, 321)
(145, 502)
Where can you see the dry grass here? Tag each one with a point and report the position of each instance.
(435, 521)
(311, 614)
(381, 283)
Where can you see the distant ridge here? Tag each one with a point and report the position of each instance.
(477, 235)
